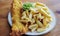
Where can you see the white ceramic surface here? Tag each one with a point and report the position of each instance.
(51, 25)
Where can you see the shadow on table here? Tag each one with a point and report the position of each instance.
(32, 35)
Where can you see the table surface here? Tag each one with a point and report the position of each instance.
(5, 5)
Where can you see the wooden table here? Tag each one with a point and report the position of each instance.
(5, 5)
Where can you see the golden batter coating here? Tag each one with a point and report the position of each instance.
(16, 25)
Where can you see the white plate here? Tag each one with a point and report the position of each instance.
(51, 25)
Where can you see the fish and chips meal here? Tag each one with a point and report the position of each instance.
(29, 17)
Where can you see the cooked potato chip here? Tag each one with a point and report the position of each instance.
(33, 26)
(40, 29)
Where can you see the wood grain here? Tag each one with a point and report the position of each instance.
(5, 5)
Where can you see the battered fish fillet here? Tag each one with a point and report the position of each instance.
(16, 25)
